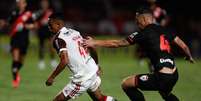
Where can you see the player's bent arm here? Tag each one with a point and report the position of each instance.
(184, 47)
(111, 43)
(60, 67)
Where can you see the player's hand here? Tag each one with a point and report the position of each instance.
(88, 42)
(49, 82)
(2, 23)
(190, 59)
(100, 72)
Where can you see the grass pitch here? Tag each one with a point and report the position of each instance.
(116, 65)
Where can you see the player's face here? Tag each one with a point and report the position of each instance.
(143, 20)
(21, 4)
(53, 25)
(44, 4)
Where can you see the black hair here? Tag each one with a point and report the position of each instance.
(58, 16)
(143, 10)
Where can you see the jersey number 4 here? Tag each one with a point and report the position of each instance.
(164, 44)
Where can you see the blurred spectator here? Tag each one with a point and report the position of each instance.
(159, 13)
(107, 27)
(129, 27)
(44, 35)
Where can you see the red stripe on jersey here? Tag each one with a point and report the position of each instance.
(20, 20)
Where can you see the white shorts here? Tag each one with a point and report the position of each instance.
(75, 89)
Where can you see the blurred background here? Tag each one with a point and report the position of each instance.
(116, 17)
(105, 19)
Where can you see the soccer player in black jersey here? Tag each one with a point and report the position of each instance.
(156, 41)
(21, 21)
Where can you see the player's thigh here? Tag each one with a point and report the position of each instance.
(73, 90)
(167, 81)
(16, 54)
(146, 82)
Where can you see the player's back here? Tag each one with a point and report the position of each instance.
(81, 64)
(156, 42)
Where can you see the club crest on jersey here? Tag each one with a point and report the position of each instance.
(144, 77)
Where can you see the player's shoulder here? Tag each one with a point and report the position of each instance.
(152, 29)
(73, 31)
(66, 32)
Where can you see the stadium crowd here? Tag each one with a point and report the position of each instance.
(116, 17)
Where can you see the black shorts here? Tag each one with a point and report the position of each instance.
(157, 81)
(20, 43)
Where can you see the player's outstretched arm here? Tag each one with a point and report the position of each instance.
(90, 42)
(185, 48)
(60, 67)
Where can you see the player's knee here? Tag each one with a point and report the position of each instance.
(128, 82)
(16, 65)
(60, 97)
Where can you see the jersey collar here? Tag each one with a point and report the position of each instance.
(63, 29)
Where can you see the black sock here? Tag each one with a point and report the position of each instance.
(15, 68)
(134, 94)
(169, 97)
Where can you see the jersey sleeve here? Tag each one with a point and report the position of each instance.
(133, 38)
(11, 17)
(171, 36)
(59, 45)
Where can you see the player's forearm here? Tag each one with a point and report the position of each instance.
(110, 43)
(183, 46)
(187, 51)
(58, 70)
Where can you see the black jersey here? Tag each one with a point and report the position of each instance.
(19, 34)
(18, 22)
(155, 41)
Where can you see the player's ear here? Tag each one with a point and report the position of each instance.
(59, 23)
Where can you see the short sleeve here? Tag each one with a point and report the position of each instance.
(59, 45)
(133, 38)
(171, 36)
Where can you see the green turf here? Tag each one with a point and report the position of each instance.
(116, 64)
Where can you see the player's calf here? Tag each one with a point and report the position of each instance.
(129, 87)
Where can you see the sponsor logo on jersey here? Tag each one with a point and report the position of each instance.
(166, 60)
